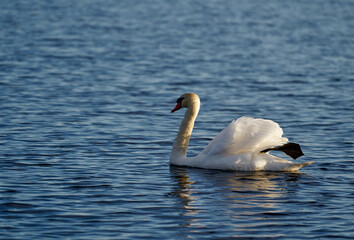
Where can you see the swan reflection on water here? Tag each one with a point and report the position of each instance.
(230, 196)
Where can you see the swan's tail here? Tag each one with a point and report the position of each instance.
(291, 149)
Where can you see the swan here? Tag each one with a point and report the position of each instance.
(242, 146)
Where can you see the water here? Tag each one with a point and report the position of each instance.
(86, 89)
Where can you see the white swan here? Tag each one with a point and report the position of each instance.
(242, 146)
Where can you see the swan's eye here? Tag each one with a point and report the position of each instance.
(178, 106)
(179, 100)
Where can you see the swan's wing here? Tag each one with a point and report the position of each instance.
(246, 134)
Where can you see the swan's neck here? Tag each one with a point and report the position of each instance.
(185, 131)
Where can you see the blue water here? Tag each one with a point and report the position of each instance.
(86, 89)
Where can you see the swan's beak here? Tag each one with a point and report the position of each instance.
(178, 106)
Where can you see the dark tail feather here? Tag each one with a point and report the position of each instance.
(291, 149)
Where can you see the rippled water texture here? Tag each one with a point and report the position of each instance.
(86, 89)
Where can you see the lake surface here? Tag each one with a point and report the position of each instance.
(86, 90)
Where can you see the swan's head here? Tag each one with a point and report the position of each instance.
(186, 100)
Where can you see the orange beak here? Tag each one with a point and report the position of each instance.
(178, 106)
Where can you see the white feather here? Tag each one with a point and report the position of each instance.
(246, 135)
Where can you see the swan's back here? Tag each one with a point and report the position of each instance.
(246, 135)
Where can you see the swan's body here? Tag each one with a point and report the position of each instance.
(242, 146)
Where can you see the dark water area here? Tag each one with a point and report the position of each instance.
(86, 90)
